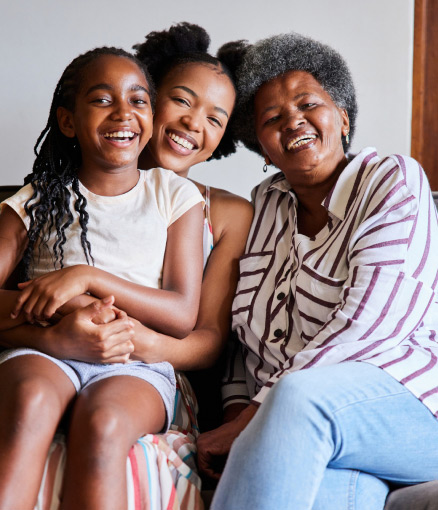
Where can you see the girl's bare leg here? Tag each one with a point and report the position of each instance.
(108, 417)
(34, 393)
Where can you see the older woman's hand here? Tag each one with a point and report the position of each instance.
(214, 446)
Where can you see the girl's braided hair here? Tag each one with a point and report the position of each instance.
(55, 168)
(186, 43)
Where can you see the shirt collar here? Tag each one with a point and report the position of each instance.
(337, 200)
(278, 182)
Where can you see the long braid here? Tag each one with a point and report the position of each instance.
(55, 168)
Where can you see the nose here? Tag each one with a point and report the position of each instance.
(122, 111)
(192, 121)
(293, 120)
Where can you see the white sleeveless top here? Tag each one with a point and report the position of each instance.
(127, 233)
(208, 229)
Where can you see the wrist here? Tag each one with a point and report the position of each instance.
(246, 415)
(147, 344)
(82, 271)
(43, 339)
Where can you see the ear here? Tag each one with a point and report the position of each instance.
(345, 122)
(265, 156)
(65, 122)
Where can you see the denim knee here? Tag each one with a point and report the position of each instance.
(300, 392)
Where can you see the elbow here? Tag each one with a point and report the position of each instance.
(181, 323)
(183, 327)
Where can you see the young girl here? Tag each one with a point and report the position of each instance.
(89, 223)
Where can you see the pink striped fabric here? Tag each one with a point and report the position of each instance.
(161, 469)
(362, 289)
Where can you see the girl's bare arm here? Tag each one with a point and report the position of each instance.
(231, 218)
(171, 309)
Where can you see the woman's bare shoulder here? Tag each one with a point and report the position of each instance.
(229, 212)
(223, 198)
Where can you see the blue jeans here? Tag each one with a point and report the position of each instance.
(325, 439)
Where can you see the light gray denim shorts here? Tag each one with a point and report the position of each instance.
(160, 375)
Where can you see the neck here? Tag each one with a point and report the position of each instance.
(146, 161)
(311, 215)
(109, 184)
(311, 195)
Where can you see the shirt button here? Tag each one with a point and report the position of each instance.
(281, 296)
(278, 333)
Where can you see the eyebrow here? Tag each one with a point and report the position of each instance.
(194, 94)
(106, 86)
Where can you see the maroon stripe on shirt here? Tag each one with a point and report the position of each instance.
(382, 181)
(406, 355)
(315, 299)
(247, 291)
(269, 234)
(311, 319)
(358, 180)
(383, 244)
(397, 262)
(420, 267)
(428, 394)
(367, 293)
(371, 231)
(393, 208)
(421, 371)
(260, 219)
(385, 308)
(268, 269)
(345, 242)
(256, 254)
(401, 163)
(321, 278)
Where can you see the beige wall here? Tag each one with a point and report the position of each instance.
(39, 37)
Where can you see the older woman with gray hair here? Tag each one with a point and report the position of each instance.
(336, 307)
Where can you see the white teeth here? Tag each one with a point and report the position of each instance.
(181, 141)
(120, 134)
(298, 142)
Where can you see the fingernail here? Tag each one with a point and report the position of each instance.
(108, 299)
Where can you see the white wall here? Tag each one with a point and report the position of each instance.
(38, 38)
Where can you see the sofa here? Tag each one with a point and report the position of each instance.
(423, 496)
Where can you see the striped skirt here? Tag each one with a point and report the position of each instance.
(160, 468)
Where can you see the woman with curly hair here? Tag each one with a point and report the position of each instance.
(192, 121)
(335, 308)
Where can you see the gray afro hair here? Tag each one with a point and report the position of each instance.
(279, 54)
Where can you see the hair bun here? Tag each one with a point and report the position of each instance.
(231, 54)
(180, 39)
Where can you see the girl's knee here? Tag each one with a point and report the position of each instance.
(100, 424)
(32, 401)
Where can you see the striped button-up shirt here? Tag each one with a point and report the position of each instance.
(362, 289)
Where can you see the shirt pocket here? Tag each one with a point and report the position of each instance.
(317, 296)
(252, 269)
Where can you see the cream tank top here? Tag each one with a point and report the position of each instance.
(208, 229)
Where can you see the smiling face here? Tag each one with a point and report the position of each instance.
(193, 106)
(299, 128)
(112, 118)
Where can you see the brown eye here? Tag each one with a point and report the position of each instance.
(181, 101)
(216, 121)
